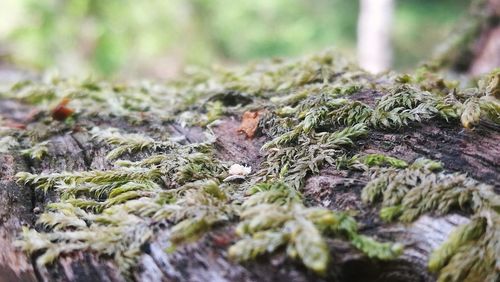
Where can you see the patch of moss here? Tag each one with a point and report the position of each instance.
(471, 251)
(313, 116)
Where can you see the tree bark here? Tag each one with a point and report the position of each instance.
(473, 151)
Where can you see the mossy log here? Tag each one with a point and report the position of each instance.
(70, 147)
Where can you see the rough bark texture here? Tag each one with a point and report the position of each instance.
(473, 151)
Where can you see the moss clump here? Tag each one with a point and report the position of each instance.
(472, 248)
(37, 151)
(409, 193)
(383, 160)
(274, 216)
(471, 251)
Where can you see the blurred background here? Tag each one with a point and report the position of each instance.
(158, 38)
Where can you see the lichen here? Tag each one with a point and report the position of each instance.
(7, 143)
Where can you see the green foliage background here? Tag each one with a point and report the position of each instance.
(157, 38)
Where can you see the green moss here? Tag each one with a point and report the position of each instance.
(472, 248)
(314, 116)
(382, 160)
(37, 151)
(274, 216)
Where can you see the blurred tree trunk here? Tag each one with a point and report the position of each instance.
(487, 47)
(474, 46)
(374, 34)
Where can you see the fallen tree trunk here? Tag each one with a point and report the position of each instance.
(70, 147)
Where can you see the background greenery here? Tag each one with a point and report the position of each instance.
(158, 38)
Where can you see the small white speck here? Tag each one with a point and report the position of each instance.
(237, 169)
